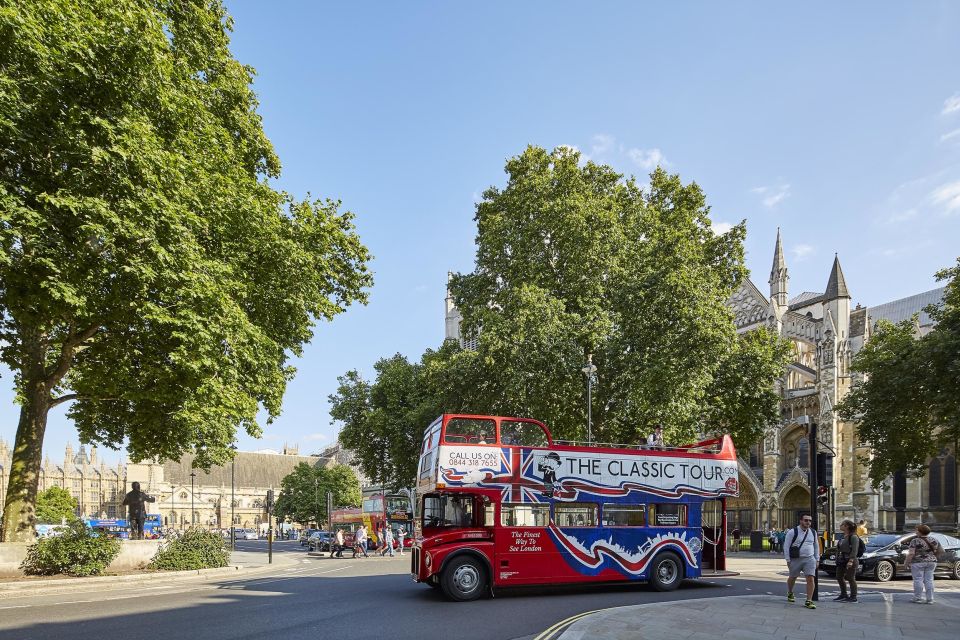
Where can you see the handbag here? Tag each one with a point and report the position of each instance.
(794, 548)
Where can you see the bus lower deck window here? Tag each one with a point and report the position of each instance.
(624, 515)
(575, 514)
(524, 515)
(668, 515)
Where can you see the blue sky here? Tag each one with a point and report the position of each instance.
(838, 122)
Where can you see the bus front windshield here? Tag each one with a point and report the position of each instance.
(447, 511)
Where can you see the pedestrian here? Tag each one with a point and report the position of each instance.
(772, 537)
(862, 530)
(922, 556)
(736, 539)
(848, 552)
(802, 553)
(781, 536)
(401, 534)
(387, 541)
(360, 541)
(338, 544)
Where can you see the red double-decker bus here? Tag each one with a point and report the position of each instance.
(503, 504)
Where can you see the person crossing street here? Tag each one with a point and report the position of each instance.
(801, 550)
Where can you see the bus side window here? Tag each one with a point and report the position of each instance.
(524, 515)
(624, 515)
(575, 514)
(668, 515)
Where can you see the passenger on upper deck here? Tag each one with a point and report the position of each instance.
(655, 439)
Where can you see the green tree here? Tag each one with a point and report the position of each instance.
(54, 505)
(149, 273)
(383, 422)
(303, 492)
(906, 395)
(574, 260)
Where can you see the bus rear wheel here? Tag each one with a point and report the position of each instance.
(464, 579)
(666, 572)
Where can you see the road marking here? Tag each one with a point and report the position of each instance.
(562, 625)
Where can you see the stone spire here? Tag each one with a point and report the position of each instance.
(778, 274)
(836, 285)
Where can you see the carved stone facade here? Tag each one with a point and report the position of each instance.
(826, 333)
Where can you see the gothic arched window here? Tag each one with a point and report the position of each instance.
(803, 453)
(935, 483)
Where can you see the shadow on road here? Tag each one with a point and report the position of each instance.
(353, 608)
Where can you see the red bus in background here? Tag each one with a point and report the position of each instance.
(396, 512)
(503, 504)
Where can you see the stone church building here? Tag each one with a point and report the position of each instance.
(826, 331)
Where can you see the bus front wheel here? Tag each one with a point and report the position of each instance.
(464, 579)
(666, 572)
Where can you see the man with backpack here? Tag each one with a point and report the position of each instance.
(849, 550)
(801, 550)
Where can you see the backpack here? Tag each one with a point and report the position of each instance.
(859, 546)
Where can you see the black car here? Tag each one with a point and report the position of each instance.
(320, 541)
(306, 535)
(884, 556)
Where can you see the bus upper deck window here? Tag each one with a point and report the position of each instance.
(524, 434)
(470, 431)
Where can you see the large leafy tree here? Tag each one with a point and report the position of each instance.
(383, 421)
(303, 492)
(55, 505)
(149, 273)
(906, 398)
(573, 261)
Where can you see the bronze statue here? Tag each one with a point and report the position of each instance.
(137, 511)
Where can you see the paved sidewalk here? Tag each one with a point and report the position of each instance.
(771, 617)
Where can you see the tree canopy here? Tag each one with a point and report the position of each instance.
(149, 274)
(573, 261)
(303, 492)
(54, 505)
(906, 395)
(383, 421)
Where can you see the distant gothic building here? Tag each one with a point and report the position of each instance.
(204, 498)
(826, 332)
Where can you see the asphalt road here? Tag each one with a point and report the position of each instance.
(319, 598)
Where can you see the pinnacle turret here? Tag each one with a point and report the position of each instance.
(836, 285)
(778, 274)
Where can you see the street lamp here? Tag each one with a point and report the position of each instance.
(316, 500)
(588, 370)
(192, 476)
(233, 500)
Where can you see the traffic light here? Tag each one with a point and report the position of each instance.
(824, 469)
(269, 499)
(823, 495)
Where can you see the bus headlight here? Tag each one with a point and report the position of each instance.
(427, 559)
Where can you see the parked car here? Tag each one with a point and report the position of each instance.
(320, 541)
(885, 553)
(306, 535)
(247, 534)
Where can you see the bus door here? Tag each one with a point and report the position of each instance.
(522, 543)
(713, 515)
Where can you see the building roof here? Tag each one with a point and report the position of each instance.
(837, 284)
(904, 308)
(805, 299)
(251, 469)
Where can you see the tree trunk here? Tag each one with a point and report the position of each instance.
(19, 512)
